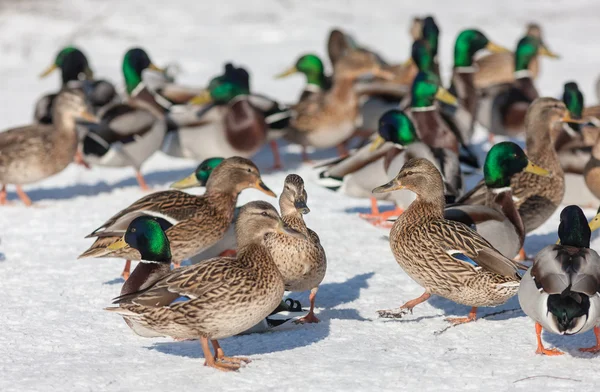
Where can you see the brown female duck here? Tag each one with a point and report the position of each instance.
(197, 222)
(217, 298)
(34, 152)
(301, 261)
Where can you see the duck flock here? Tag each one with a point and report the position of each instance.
(401, 137)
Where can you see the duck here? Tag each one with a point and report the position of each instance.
(574, 141)
(502, 107)
(127, 134)
(499, 68)
(311, 66)
(76, 72)
(468, 44)
(498, 220)
(198, 222)
(34, 152)
(379, 161)
(329, 118)
(301, 261)
(560, 291)
(445, 257)
(222, 121)
(246, 289)
(536, 197)
(591, 171)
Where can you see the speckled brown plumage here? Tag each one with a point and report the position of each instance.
(34, 152)
(421, 240)
(198, 221)
(536, 197)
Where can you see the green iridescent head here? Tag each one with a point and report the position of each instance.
(426, 89)
(467, 44)
(431, 34)
(135, 61)
(224, 92)
(311, 66)
(573, 229)
(72, 63)
(200, 176)
(421, 55)
(396, 127)
(503, 161)
(527, 49)
(147, 235)
(573, 98)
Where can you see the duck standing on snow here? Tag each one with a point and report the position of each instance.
(446, 257)
(301, 261)
(34, 152)
(498, 220)
(76, 72)
(198, 222)
(127, 134)
(561, 291)
(217, 298)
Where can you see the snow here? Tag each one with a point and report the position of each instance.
(55, 335)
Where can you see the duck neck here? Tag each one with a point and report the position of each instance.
(424, 209)
(64, 122)
(538, 139)
(343, 90)
(144, 275)
(222, 201)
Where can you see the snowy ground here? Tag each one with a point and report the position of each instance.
(54, 333)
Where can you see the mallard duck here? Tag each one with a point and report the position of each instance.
(311, 66)
(222, 121)
(591, 172)
(127, 134)
(560, 291)
(397, 142)
(198, 221)
(498, 220)
(574, 141)
(329, 118)
(75, 71)
(503, 107)
(499, 68)
(301, 261)
(446, 257)
(221, 297)
(34, 152)
(535, 197)
(468, 43)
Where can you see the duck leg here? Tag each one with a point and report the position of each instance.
(78, 159)
(310, 317)
(540, 345)
(380, 218)
(404, 309)
(141, 181)
(277, 165)
(305, 157)
(3, 195)
(23, 196)
(462, 320)
(126, 270)
(230, 361)
(209, 359)
(491, 138)
(594, 349)
(228, 253)
(342, 150)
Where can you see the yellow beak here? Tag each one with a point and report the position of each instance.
(287, 72)
(567, 118)
(188, 182)
(155, 68)
(48, 71)
(393, 185)
(375, 144)
(595, 223)
(445, 96)
(544, 51)
(494, 48)
(201, 99)
(263, 188)
(120, 244)
(535, 169)
(408, 62)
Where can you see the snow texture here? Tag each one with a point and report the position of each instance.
(54, 333)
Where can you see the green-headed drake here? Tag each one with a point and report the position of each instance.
(561, 291)
(311, 66)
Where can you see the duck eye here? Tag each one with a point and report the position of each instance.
(264, 213)
(133, 229)
(249, 170)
